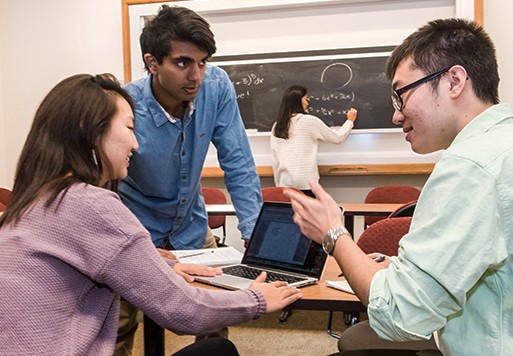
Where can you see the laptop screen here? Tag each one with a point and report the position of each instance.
(277, 242)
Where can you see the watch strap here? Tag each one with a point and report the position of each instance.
(337, 232)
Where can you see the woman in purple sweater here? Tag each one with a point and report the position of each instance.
(69, 248)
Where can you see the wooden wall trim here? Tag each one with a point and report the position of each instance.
(479, 12)
(125, 22)
(343, 170)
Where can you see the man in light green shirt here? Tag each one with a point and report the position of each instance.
(453, 275)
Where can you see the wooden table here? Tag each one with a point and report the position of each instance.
(321, 297)
(315, 297)
(318, 296)
(350, 211)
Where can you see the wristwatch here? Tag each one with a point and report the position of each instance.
(331, 237)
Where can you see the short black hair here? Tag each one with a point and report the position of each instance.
(175, 23)
(443, 43)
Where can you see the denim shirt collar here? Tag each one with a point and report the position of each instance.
(157, 111)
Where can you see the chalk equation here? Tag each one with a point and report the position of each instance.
(327, 112)
(333, 97)
(334, 77)
(350, 96)
(334, 86)
(249, 80)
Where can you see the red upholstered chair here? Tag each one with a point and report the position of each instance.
(274, 194)
(215, 196)
(5, 196)
(389, 194)
(383, 236)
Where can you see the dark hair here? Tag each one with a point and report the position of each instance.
(290, 104)
(64, 145)
(175, 24)
(447, 42)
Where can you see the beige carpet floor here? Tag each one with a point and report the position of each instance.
(304, 333)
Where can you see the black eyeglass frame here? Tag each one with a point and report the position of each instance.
(397, 101)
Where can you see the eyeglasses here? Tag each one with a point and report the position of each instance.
(396, 94)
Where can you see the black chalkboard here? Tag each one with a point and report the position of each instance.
(336, 80)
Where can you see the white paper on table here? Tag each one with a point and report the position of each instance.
(209, 256)
(340, 285)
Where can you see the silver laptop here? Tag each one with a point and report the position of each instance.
(278, 248)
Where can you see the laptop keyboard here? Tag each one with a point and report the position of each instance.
(252, 273)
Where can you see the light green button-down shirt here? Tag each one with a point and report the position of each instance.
(454, 271)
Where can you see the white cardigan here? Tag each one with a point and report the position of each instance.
(295, 159)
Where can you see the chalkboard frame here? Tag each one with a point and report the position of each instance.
(336, 79)
(378, 149)
(131, 30)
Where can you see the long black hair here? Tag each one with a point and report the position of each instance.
(290, 104)
(64, 145)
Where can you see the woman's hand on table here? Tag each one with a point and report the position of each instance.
(277, 294)
(188, 271)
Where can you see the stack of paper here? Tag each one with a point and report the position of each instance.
(340, 285)
(210, 256)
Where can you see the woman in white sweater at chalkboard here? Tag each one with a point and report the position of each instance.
(295, 137)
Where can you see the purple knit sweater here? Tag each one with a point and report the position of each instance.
(62, 271)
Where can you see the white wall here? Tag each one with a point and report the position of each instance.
(3, 163)
(497, 19)
(42, 42)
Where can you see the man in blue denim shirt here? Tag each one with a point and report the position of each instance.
(182, 106)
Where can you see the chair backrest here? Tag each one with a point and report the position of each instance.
(214, 196)
(404, 210)
(274, 194)
(390, 194)
(5, 196)
(384, 235)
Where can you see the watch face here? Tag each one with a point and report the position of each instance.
(327, 244)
